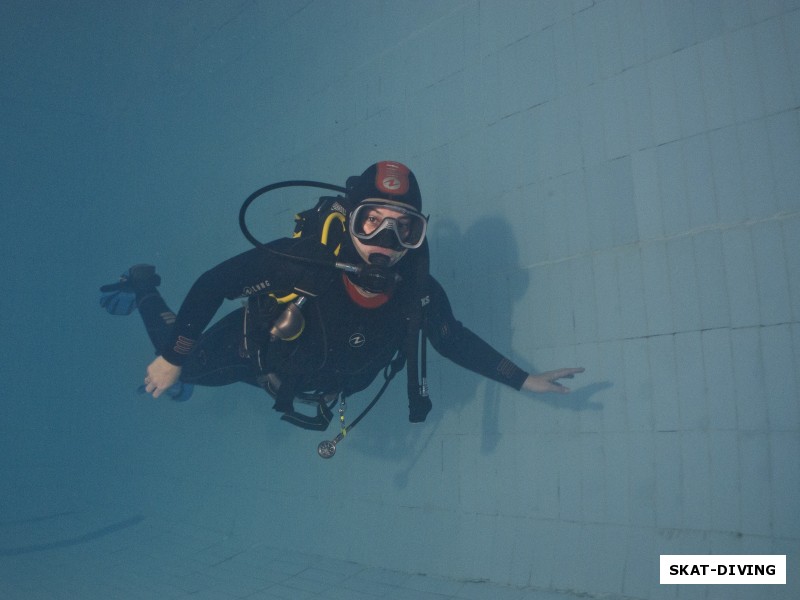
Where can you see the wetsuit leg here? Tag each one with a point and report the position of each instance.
(157, 316)
(218, 358)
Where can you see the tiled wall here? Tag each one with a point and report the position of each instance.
(639, 161)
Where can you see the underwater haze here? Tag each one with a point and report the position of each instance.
(612, 184)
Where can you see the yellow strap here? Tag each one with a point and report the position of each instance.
(327, 226)
(284, 299)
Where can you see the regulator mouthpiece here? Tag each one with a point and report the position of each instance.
(375, 278)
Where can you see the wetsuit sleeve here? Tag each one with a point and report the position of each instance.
(239, 276)
(457, 343)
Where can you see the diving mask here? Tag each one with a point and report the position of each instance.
(388, 225)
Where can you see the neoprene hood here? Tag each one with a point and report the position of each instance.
(388, 180)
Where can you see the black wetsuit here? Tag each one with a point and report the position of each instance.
(343, 347)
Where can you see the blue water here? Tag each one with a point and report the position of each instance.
(611, 184)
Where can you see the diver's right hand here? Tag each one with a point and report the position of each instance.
(161, 375)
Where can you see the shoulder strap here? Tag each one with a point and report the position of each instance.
(419, 404)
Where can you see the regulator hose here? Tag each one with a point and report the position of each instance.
(275, 186)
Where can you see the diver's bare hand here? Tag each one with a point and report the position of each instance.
(161, 375)
(548, 382)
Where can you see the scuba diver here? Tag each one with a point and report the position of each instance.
(347, 297)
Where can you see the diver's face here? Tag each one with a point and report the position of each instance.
(371, 221)
(377, 214)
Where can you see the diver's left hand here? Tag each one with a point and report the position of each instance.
(548, 382)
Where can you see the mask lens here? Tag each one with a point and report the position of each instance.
(369, 222)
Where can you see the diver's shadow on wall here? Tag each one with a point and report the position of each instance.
(481, 272)
(487, 256)
(579, 399)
